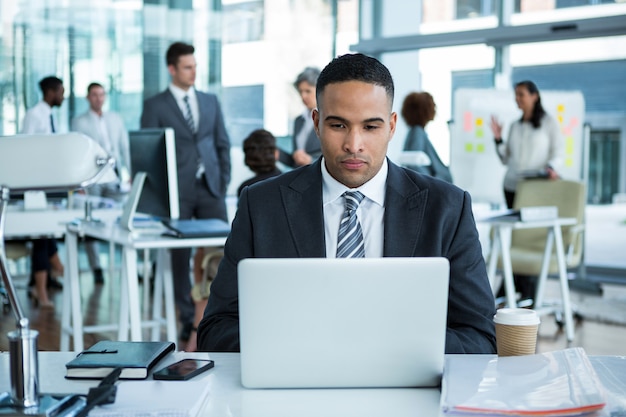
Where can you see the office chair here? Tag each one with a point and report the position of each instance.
(41, 163)
(527, 245)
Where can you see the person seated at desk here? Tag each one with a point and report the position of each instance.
(261, 155)
(402, 212)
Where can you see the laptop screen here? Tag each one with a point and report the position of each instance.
(318, 322)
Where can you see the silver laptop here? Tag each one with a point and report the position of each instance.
(325, 323)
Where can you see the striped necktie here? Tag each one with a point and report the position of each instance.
(189, 115)
(350, 240)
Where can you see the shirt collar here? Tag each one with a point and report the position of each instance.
(179, 93)
(374, 189)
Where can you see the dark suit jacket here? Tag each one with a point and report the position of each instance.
(312, 145)
(283, 218)
(210, 142)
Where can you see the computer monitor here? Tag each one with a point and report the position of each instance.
(153, 151)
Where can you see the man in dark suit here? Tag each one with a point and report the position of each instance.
(306, 144)
(202, 154)
(402, 214)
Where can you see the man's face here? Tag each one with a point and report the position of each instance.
(57, 97)
(355, 124)
(184, 72)
(96, 98)
(307, 94)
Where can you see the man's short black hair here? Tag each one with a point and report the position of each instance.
(176, 50)
(50, 83)
(94, 85)
(355, 67)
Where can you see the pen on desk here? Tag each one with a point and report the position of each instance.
(86, 352)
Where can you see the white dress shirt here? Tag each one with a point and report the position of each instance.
(109, 131)
(37, 119)
(371, 211)
(179, 94)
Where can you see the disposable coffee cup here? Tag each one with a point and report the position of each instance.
(516, 331)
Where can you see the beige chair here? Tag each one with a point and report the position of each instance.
(527, 245)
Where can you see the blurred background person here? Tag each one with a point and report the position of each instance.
(45, 261)
(418, 109)
(261, 154)
(306, 145)
(203, 159)
(106, 128)
(534, 146)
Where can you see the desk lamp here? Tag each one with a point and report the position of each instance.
(40, 163)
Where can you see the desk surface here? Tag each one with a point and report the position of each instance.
(147, 238)
(229, 398)
(51, 222)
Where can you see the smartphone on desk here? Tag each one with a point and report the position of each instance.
(183, 370)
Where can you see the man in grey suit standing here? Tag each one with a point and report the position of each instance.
(401, 213)
(203, 158)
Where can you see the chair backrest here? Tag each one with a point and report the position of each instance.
(570, 199)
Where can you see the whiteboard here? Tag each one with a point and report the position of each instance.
(474, 163)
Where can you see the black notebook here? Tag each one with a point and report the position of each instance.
(135, 359)
(197, 228)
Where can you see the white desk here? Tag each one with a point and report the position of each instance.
(72, 319)
(501, 242)
(229, 398)
(51, 222)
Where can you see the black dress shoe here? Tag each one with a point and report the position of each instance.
(185, 332)
(54, 284)
(98, 276)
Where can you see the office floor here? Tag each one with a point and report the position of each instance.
(596, 336)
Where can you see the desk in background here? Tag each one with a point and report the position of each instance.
(501, 245)
(227, 397)
(130, 311)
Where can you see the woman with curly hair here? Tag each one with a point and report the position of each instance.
(417, 110)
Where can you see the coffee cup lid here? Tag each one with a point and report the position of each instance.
(516, 316)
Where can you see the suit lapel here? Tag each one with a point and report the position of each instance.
(405, 206)
(302, 200)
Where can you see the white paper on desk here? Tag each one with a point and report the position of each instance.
(156, 399)
(559, 383)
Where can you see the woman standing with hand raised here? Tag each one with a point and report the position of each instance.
(534, 146)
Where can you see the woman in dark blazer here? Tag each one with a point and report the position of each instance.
(306, 144)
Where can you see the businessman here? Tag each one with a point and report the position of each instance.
(107, 128)
(401, 213)
(202, 154)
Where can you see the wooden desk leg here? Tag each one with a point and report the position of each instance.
(509, 285)
(567, 306)
(494, 253)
